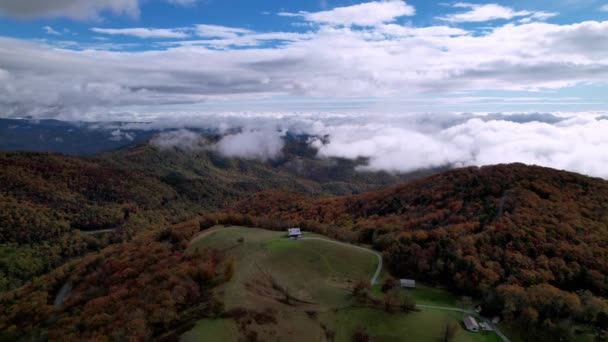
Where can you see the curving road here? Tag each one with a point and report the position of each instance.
(378, 269)
(423, 306)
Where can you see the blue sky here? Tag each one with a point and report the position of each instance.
(406, 84)
(259, 16)
(192, 55)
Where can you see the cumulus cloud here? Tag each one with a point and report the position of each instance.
(246, 143)
(383, 61)
(50, 30)
(251, 144)
(571, 143)
(365, 14)
(487, 12)
(218, 31)
(143, 32)
(77, 9)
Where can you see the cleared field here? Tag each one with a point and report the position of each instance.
(311, 270)
(432, 296)
(318, 276)
(220, 329)
(426, 325)
(426, 295)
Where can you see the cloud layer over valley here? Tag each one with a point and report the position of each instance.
(404, 143)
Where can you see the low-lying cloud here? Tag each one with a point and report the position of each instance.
(404, 143)
(577, 144)
(253, 144)
(245, 144)
(182, 138)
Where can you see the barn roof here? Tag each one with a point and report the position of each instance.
(470, 323)
(294, 231)
(407, 282)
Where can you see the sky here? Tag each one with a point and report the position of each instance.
(407, 84)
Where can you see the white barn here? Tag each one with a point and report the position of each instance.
(408, 283)
(294, 233)
(471, 324)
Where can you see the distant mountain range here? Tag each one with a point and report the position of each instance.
(80, 138)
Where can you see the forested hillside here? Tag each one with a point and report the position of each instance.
(148, 287)
(531, 241)
(48, 201)
(296, 169)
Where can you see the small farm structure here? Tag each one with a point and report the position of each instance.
(471, 324)
(294, 233)
(485, 326)
(407, 283)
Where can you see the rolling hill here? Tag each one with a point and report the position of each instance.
(53, 205)
(532, 242)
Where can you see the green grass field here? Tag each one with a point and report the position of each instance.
(426, 325)
(319, 276)
(432, 296)
(220, 329)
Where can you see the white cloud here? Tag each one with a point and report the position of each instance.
(539, 16)
(365, 14)
(575, 144)
(604, 8)
(430, 31)
(487, 12)
(118, 135)
(407, 142)
(217, 31)
(182, 138)
(142, 32)
(258, 143)
(244, 40)
(77, 9)
(184, 3)
(380, 61)
(251, 144)
(212, 35)
(50, 30)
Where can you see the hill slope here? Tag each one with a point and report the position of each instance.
(48, 200)
(536, 235)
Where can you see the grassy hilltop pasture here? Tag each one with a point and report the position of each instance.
(318, 276)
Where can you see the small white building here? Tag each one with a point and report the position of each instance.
(471, 324)
(294, 233)
(407, 283)
(485, 326)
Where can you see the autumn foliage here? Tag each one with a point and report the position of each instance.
(529, 241)
(134, 291)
